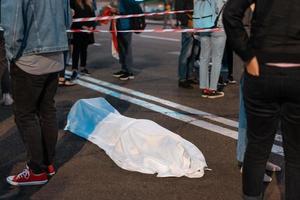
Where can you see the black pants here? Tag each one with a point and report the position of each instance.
(35, 115)
(2, 54)
(79, 51)
(272, 97)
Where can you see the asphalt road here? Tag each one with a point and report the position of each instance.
(86, 172)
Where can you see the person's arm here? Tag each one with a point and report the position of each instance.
(13, 15)
(235, 31)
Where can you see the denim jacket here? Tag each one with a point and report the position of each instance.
(35, 26)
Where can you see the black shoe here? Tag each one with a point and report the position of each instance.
(185, 84)
(74, 75)
(193, 81)
(215, 94)
(118, 74)
(85, 72)
(126, 76)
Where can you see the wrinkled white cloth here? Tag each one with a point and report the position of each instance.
(144, 146)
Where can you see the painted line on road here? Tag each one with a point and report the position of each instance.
(162, 110)
(160, 38)
(168, 103)
(170, 113)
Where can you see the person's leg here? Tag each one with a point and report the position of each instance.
(27, 90)
(128, 60)
(48, 120)
(291, 135)
(83, 55)
(205, 57)
(185, 53)
(75, 56)
(263, 112)
(3, 61)
(242, 129)
(218, 44)
(5, 82)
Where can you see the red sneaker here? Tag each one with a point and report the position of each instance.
(27, 177)
(51, 170)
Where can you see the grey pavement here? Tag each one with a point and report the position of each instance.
(86, 172)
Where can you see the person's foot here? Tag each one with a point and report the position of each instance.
(185, 84)
(51, 170)
(205, 93)
(272, 167)
(84, 71)
(27, 177)
(126, 76)
(118, 74)
(7, 100)
(213, 94)
(74, 75)
(230, 80)
(267, 179)
(193, 81)
(65, 82)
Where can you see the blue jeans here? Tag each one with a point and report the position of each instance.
(212, 48)
(242, 136)
(184, 66)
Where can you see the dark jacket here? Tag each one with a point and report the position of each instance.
(184, 5)
(83, 38)
(275, 30)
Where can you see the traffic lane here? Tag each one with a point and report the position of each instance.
(156, 74)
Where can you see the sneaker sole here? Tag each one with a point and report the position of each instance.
(215, 97)
(117, 76)
(26, 183)
(128, 78)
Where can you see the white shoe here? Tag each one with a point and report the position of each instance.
(267, 179)
(272, 167)
(7, 99)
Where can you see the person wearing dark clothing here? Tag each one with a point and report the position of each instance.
(271, 87)
(125, 7)
(81, 41)
(185, 67)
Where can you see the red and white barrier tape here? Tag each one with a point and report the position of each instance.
(129, 16)
(148, 31)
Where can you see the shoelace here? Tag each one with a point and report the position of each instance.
(25, 174)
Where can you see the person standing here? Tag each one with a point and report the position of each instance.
(125, 7)
(271, 87)
(187, 39)
(212, 49)
(81, 41)
(35, 36)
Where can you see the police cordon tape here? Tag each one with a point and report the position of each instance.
(103, 18)
(178, 30)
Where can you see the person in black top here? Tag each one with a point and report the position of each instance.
(271, 86)
(80, 41)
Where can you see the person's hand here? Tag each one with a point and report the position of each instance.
(73, 12)
(253, 67)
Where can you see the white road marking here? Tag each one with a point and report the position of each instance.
(168, 103)
(173, 114)
(97, 44)
(160, 38)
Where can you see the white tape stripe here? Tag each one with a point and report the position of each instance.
(148, 31)
(104, 18)
(173, 114)
(160, 38)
